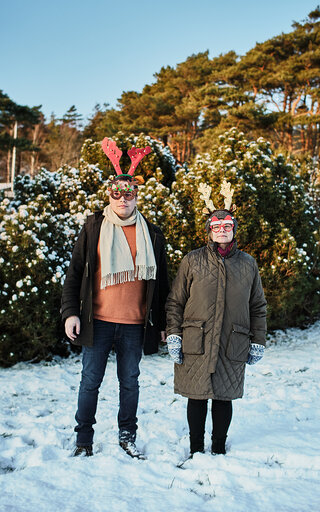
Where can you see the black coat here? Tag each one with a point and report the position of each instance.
(78, 285)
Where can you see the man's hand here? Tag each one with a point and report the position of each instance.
(163, 336)
(72, 327)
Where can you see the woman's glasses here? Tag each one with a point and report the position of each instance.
(216, 226)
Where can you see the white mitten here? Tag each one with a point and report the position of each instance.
(175, 347)
(255, 353)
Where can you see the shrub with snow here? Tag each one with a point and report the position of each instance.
(35, 244)
(276, 200)
(277, 215)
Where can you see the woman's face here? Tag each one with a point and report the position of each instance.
(222, 237)
(222, 231)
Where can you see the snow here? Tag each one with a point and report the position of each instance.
(272, 461)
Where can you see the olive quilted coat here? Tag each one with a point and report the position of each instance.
(217, 306)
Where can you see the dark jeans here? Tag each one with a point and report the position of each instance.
(127, 341)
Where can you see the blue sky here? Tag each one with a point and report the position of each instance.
(66, 52)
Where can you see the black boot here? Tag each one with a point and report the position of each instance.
(127, 443)
(83, 450)
(130, 448)
(218, 446)
(196, 444)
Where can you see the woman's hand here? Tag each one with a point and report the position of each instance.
(255, 353)
(175, 348)
(72, 327)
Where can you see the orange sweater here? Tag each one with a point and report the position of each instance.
(120, 303)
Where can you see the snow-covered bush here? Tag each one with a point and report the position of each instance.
(35, 245)
(278, 218)
(37, 234)
(38, 229)
(160, 157)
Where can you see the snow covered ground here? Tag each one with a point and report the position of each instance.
(272, 463)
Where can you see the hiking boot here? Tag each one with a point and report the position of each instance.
(86, 451)
(130, 448)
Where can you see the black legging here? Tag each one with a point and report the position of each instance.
(221, 412)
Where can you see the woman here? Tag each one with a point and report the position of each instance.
(216, 323)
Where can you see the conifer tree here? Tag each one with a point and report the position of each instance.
(27, 118)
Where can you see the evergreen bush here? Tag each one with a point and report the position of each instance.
(277, 213)
(160, 157)
(277, 201)
(35, 244)
(38, 230)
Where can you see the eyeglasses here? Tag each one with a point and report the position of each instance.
(127, 194)
(216, 226)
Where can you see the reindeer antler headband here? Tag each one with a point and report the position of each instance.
(114, 154)
(226, 191)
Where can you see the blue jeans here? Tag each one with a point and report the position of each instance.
(127, 340)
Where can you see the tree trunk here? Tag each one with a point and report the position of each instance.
(285, 101)
(178, 152)
(302, 138)
(184, 148)
(295, 104)
(33, 154)
(18, 169)
(290, 138)
(310, 146)
(8, 170)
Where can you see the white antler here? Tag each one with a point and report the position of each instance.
(227, 192)
(205, 191)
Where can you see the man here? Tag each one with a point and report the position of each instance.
(114, 296)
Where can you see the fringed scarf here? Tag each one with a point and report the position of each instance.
(116, 260)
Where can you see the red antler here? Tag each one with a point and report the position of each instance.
(113, 153)
(136, 155)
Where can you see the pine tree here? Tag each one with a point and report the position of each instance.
(27, 118)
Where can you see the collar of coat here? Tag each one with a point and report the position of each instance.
(213, 246)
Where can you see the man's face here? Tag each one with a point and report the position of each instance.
(123, 207)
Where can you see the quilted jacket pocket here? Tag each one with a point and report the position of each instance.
(238, 344)
(193, 337)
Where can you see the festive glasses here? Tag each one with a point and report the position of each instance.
(226, 225)
(127, 194)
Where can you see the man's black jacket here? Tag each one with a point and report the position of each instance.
(78, 285)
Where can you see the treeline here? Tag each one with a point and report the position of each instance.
(38, 143)
(273, 91)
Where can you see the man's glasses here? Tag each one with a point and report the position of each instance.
(127, 194)
(216, 226)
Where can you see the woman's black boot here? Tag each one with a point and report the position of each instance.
(218, 446)
(196, 444)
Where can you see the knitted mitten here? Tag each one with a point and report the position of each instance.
(255, 353)
(175, 347)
